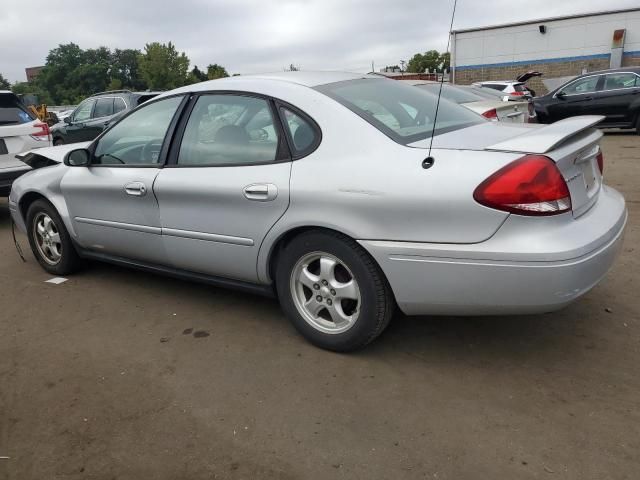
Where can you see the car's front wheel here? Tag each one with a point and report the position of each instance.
(50, 241)
(333, 292)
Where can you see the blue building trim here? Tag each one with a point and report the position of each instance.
(546, 60)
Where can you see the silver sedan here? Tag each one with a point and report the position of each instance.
(322, 189)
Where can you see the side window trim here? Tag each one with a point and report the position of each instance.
(282, 150)
(295, 154)
(166, 143)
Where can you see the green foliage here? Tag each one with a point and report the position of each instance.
(126, 70)
(216, 71)
(162, 67)
(4, 83)
(26, 88)
(430, 60)
(198, 74)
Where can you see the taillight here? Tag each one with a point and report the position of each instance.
(43, 131)
(491, 114)
(600, 159)
(531, 185)
(517, 94)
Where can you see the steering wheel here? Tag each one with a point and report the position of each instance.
(151, 151)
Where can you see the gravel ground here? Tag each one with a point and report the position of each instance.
(118, 374)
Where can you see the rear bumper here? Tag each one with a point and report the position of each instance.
(531, 265)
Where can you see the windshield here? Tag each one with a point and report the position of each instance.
(455, 94)
(402, 112)
(12, 110)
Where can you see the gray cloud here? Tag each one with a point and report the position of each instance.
(250, 36)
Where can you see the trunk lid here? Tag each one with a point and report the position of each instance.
(573, 144)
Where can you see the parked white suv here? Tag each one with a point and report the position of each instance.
(512, 88)
(20, 131)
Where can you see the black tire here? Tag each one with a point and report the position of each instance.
(58, 141)
(69, 260)
(377, 304)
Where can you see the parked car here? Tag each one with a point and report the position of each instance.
(611, 93)
(322, 189)
(93, 115)
(493, 109)
(513, 88)
(20, 130)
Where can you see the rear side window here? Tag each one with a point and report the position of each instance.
(519, 87)
(403, 112)
(118, 105)
(229, 130)
(303, 133)
(104, 108)
(493, 86)
(13, 111)
(616, 81)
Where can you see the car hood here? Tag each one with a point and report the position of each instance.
(512, 137)
(56, 154)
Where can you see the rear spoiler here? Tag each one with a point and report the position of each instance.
(544, 139)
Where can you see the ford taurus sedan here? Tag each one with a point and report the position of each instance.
(322, 188)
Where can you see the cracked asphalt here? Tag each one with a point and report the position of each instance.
(118, 374)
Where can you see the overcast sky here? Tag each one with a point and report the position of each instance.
(251, 36)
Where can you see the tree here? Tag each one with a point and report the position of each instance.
(125, 70)
(162, 67)
(198, 74)
(216, 71)
(421, 62)
(26, 88)
(445, 61)
(4, 83)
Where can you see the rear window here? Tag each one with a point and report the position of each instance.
(454, 94)
(13, 111)
(146, 98)
(519, 87)
(402, 112)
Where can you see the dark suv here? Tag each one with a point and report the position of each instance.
(612, 93)
(95, 114)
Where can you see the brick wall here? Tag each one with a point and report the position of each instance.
(466, 76)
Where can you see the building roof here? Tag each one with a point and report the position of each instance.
(548, 19)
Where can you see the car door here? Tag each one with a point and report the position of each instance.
(618, 92)
(111, 202)
(226, 185)
(75, 129)
(574, 99)
(102, 112)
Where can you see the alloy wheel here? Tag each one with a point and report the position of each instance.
(47, 238)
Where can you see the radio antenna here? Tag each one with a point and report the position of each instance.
(435, 117)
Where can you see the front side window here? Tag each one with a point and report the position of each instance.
(138, 138)
(403, 112)
(229, 130)
(584, 85)
(83, 112)
(303, 134)
(617, 81)
(104, 107)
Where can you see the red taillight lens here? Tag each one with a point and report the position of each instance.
(600, 159)
(491, 114)
(43, 130)
(517, 94)
(531, 185)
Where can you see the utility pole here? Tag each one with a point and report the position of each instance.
(373, 68)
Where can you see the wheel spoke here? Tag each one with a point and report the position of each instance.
(54, 253)
(347, 290)
(328, 269)
(314, 307)
(307, 278)
(46, 221)
(55, 238)
(338, 316)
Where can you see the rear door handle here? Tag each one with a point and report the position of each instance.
(261, 192)
(135, 189)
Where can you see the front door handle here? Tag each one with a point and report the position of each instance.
(261, 192)
(135, 189)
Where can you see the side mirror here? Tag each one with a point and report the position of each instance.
(78, 158)
(561, 95)
(67, 120)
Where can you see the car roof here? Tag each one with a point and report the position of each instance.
(306, 78)
(612, 70)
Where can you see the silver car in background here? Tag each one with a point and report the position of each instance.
(321, 188)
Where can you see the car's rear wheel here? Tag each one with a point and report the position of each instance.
(50, 241)
(333, 292)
